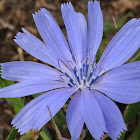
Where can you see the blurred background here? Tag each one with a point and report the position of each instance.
(15, 14)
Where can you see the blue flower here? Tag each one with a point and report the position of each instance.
(74, 72)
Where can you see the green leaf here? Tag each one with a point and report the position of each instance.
(12, 134)
(131, 111)
(135, 58)
(61, 124)
(136, 133)
(122, 137)
(4, 83)
(44, 136)
(59, 116)
(16, 103)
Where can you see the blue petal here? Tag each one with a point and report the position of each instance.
(82, 23)
(95, 28)
(121, 48)
(26, 70)
(112, 116)
(35, 114)
(71, 21)
(121, 84)
(52, 35)
(30, 87)
(74, 118)
(92, 115)
(36, 48)
(65, 138)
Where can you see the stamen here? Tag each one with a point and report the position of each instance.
(90, 75)
(87, 66)
(70, 62)
(67, 76)
(76, 76)
(58, 60)
(93, 80)
(61, 77)
(94, 61)
(81, 73)
(79, 89)
(83, 78)
(71, 80)
(84, 81)
(70, 85)
(83, 67)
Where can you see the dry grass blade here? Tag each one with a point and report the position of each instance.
(48, 6)
(55, 126)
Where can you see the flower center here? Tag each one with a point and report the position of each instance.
(83, 77)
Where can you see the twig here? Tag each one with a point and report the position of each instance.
(20, 53)
(83, 134)
(4, 24)
(49, 126)
(35, 135)
(55, 126)
(48, 6)
(114, 21)
(105, 136)
(1, 132)
(2, 2)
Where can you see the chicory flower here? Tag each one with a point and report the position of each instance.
(74, 72)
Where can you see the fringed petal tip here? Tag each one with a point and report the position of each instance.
(18, 36)
(1, 70)
(24, 130)
(21, 36)
(67, 4)
(41, 11)
(102, 135)
(118, 133)
(97, 2)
